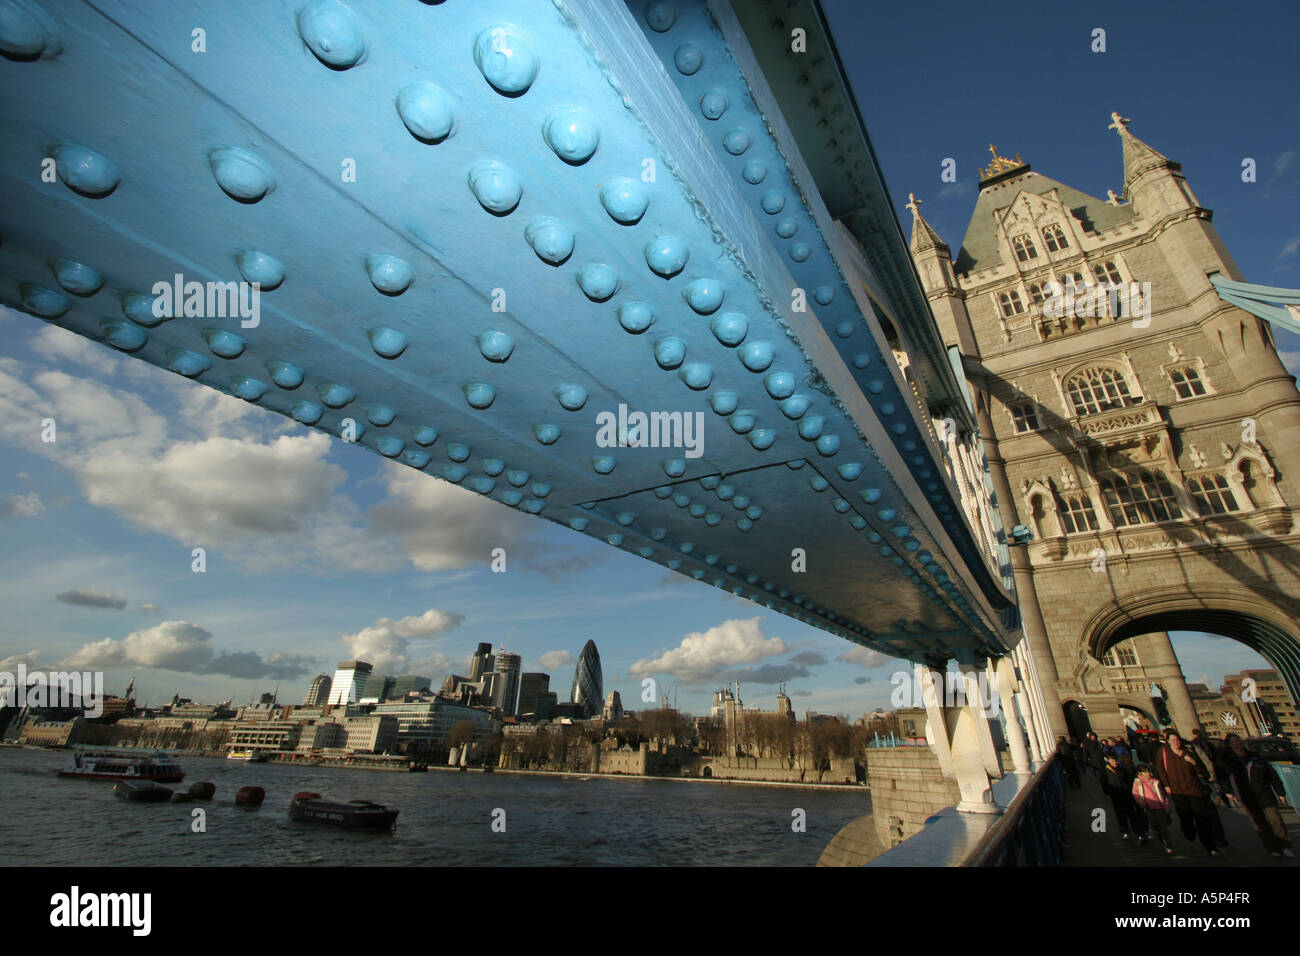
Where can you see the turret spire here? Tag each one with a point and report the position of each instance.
(923, 236)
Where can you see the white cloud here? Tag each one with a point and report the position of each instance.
(865, 656)
(704, 656)
(385, 643)
(442, 527)
(55, 343)
(1290, 248)
(552, 660)
(28, 660)
(182, 646)
(150, 609)
(28, 505)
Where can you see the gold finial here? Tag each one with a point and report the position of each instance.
(1000, 164)
(1119, 123)
(913, 204)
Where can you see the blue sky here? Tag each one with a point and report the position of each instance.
(317, 550)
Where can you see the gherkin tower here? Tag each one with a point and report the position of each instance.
(588, 686)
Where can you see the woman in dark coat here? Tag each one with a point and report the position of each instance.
(1183, 776)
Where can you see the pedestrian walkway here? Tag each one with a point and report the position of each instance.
(1083, 847)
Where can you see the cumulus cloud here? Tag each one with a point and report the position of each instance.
(553, 660)
(706, 656)
(385, 643)
(28, 660)
(89, 597)
(864, 657)
(22, 506)
(186, 647)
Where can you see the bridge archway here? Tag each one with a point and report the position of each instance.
(1076, 720)
(1271, 628)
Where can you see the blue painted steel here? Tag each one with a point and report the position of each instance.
(471, 242)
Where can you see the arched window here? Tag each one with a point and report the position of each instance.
(1024, 247)
(1187, 381)
(1054, 238)
(1213, 494)
(1097, 390)
(1139, 497)
(1036, 293)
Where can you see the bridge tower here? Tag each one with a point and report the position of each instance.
(1141, 427)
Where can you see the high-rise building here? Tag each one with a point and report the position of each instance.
(377, 687)
(481, 662)
(505, 691)
(588, 684)
(408, 684)
(319, 691)
(531, 686)
(349, 679)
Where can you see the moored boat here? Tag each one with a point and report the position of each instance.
(108, 766)
(355, 814)
(246, 756)
(250, 797)
(142, 791)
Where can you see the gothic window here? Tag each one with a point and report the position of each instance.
(1010, 303)
(1106, 273)
(1024, 418)
(1024, 247)
(1139, 497)
(1036, 293)
(1054, 238)
(1077, 515)
(1121, 655)
(1213, 494)
(1097, 390)
(1075, 280)
(1187, 381)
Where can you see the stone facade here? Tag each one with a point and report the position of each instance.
(1149, 439)
(907, 788)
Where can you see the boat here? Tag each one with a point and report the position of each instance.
(203, 790)
(250, 797)
(355, 814)
(246, 756)
(158, 769)
(142, 791)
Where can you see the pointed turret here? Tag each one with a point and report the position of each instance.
(923, 236)
(1153, 182)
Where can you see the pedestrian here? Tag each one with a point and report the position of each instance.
(1093, 756)
(1065, 753)
(1250, 778)
(1183, 777)
(1151, 799)
(1117, 782)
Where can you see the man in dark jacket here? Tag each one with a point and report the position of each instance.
(1092, 755)
(1065, 754)
(1117, 783)
(1249, 777)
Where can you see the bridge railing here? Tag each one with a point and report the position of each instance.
(1030, 830)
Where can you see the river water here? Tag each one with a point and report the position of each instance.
(446, 819)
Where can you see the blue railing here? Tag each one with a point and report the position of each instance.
(1029, 832)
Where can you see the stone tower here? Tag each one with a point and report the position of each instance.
(1144, 430)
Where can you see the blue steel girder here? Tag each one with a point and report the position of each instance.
(475, 229)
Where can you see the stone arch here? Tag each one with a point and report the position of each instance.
(1267, 627)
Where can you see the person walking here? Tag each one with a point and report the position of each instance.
(1065, 753)
(1151, 799)
(1182, 775)
(1093, 756)
(1117, 782)
(1250, 778)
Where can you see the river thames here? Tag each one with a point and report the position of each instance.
(446, 819)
